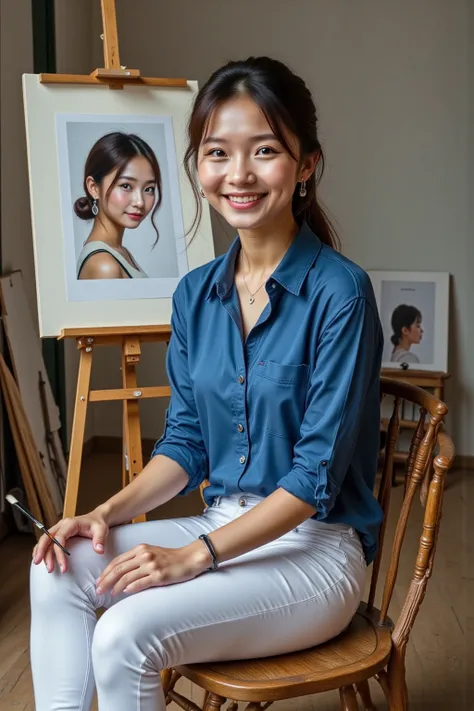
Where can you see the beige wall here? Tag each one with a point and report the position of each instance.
(391, 84)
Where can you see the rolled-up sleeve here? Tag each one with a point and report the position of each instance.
(182, 438)
(346, 369)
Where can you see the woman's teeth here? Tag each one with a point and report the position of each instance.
(245, 198)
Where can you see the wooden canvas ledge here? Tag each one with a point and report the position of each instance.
(113, 74)
(129, 339)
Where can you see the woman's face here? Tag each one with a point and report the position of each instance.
(245, 172)
(132, 196)
(414, 333)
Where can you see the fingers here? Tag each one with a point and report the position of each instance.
(49, 559)
(44, 543)
(138, 579)
(115, 571)
(116, 563)
(48, 551)
(99, 534)
(60, 556)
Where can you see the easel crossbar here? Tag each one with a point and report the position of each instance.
(129, 393)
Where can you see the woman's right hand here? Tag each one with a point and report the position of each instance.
(92, 525)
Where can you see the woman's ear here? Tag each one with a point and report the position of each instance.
(308, 166)
(92, 187)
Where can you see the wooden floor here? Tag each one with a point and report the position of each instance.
(440, 657)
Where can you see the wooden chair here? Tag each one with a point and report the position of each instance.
(373, 645)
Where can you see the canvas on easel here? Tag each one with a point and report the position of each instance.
(66, 122)
(69, 121)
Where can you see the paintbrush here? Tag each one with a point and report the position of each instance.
(14, 502)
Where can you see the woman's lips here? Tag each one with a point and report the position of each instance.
(244, 202)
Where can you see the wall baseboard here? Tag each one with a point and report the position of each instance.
(113, 445)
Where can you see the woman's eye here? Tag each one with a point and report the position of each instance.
(151, 189)
(216, 153)
(266, 151)
(125, 186)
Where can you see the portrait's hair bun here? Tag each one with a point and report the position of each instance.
(83, 208)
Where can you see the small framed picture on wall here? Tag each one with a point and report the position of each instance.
(414, 311)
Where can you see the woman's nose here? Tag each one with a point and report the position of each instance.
(240, 172)
(137, 198)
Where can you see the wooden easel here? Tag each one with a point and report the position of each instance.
(129, 338)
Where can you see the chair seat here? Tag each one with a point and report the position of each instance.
(361, 651)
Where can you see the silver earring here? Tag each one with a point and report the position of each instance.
(303, 191)
(202, 193)
(95, 208)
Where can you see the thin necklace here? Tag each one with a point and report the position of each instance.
(252, 296)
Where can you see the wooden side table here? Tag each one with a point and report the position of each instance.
(429, 380)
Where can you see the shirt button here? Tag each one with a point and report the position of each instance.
(241, 379)
(240, 428)
(324, 463)
(242, 460)
(242, 502)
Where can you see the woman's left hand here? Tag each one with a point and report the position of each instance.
(151, 566)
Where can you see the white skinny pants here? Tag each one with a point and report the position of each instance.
(290, 594)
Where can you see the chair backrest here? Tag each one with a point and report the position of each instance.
(424, 472)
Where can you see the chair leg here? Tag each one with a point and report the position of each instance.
(348, 699)
(382, 679)
(398, 697)
(214, 702)
(165, 679)
(364, 692)
(397, 681)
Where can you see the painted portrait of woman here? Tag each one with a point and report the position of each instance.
(407, 331)
(122, 188)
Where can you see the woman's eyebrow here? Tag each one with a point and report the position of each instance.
(129, 177)
(258, 137)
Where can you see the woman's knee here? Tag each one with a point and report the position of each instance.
(48, 588)
(120, 646)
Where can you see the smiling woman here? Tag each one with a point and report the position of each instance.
(122, 184)
(274, 371)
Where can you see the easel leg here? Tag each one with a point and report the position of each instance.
(78, 432)
(131, 417)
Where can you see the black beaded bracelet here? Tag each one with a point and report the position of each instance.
(211, 550)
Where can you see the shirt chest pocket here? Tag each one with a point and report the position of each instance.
(279, 396)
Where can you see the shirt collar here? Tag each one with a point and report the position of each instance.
(290, 273)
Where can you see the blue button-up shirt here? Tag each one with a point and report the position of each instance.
(296, 404)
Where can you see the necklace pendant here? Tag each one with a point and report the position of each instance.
(251, 300)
